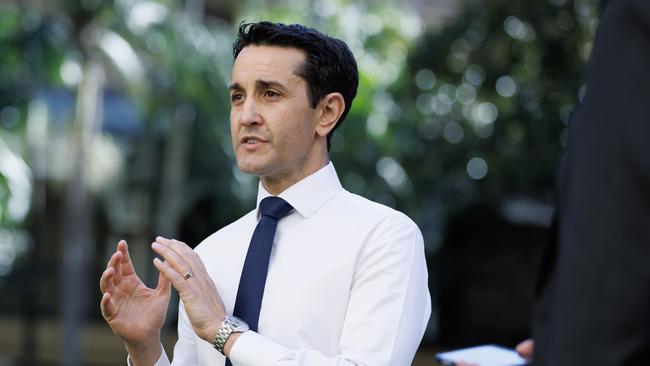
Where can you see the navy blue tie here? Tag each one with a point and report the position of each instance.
(256, 265)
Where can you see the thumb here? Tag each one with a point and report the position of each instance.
(164, 285)
(526, 349)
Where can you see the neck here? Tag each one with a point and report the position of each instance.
(278, 184)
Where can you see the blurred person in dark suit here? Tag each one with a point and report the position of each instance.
(594, 292)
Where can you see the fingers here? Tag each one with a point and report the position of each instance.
(164, 285)
(116, 261)
(111, 275)
(107, 307)
(112, 261)
(119, 266)
(166, 270)
(126, 267)
(526, 349)
(179, 256)
(109, 279)
(106, 281)
(179, 261)
(180, 248)
(176, 261)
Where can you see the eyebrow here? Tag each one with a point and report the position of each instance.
(259, 84)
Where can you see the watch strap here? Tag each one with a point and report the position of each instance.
(229, 325)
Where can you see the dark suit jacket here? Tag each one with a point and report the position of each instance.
(594, 304)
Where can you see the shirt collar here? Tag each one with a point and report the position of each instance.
(309, 194)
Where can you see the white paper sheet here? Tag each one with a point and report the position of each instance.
(487, 355)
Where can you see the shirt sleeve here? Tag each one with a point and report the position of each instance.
(162, 361)
(388, 309)
(185, 348)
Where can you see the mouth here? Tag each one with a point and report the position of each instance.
(252, 141)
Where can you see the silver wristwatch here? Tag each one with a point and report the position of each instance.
(229, 325)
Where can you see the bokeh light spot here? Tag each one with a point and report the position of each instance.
(506, 86)
(425, 79)
(453, 133)
(477, 168)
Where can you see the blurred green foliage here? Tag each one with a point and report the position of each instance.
(490, 97)
(448, 114)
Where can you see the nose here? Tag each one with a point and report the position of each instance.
(249, 113)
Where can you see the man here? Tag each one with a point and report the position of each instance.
(594, 307)
(346, 282)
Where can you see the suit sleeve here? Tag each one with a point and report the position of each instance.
(600, 294)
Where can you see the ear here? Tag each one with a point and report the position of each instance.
(331, 107)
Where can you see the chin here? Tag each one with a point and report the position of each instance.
(246, 169)
(251, 168)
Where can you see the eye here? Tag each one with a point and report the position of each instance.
(271, 94)
(236, 97)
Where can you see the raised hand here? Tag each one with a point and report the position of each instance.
(184, 268)
(134, 312)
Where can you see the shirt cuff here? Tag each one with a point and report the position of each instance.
(162, 361)
(254, 349)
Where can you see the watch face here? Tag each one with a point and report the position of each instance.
(238, 324)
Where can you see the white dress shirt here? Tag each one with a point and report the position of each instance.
(346, 285)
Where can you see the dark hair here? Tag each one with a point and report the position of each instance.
(329, 65)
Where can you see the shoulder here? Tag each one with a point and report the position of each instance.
(357, 204)
(354, 208)
(387, 237)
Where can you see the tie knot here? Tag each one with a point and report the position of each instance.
(274, 207)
